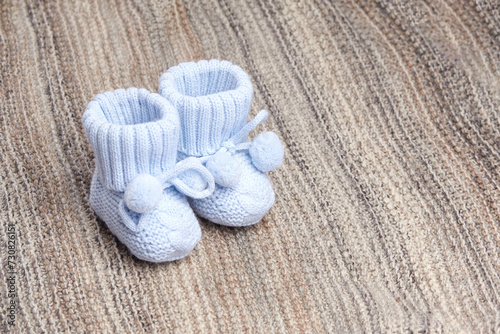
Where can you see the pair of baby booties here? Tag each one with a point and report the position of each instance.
(153, 152)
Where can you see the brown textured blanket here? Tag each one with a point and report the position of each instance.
(387, 214)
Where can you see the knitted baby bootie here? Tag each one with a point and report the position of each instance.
(213, 100)
(136, 188)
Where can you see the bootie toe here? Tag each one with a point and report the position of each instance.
(169, 233)
(243, 204)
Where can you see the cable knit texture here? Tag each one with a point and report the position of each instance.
(134, 135)
(213, 100)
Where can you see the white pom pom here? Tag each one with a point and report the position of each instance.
(143, 193)
(266, 152)
(225, 169)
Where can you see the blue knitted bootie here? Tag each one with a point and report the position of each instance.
(213, 100)
(137, 188)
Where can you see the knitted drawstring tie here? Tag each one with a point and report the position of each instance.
(265, 151)
(145, 191)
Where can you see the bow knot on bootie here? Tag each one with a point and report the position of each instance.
(266, 153)
(145, 191)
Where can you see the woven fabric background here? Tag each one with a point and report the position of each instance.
(387, 215)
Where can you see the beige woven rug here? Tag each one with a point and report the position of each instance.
(387, 215)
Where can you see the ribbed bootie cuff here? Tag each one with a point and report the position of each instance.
(132, 132)
(213, 100)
